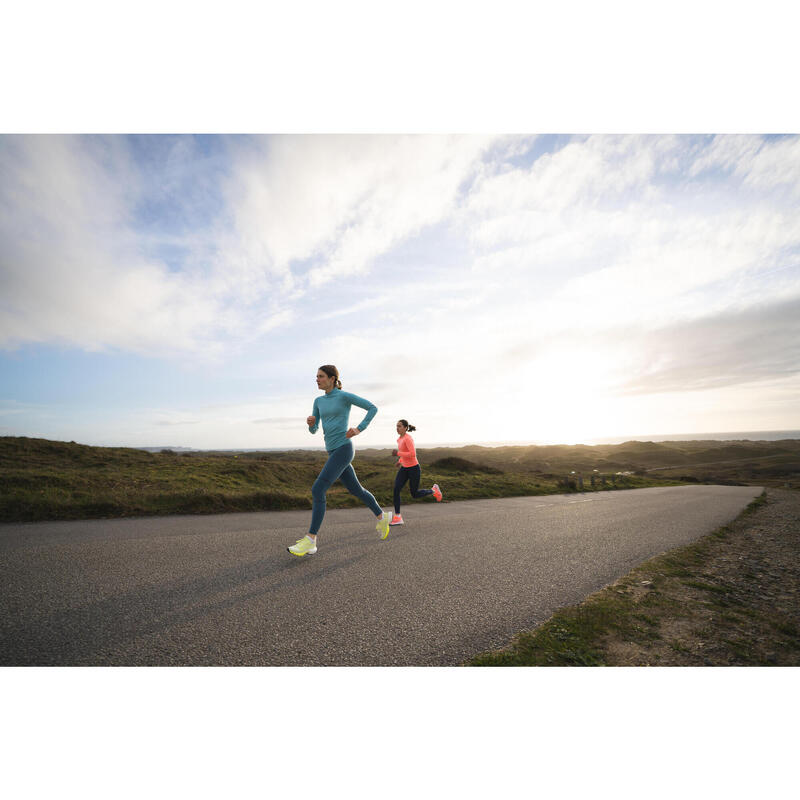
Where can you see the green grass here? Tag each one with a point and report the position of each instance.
(570, 638)
(41, 480)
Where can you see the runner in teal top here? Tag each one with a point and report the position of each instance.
(333, 409)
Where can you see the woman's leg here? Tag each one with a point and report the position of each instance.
(399, 482)
(350, 481)
(337, 462)
(414, 474)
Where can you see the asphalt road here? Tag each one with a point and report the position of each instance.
(457, 579)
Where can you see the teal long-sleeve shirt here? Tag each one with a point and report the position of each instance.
(333, 409)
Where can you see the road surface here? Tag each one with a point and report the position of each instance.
(456, 579)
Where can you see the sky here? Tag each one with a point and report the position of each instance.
(179, 290)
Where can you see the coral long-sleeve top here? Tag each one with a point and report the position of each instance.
(406, 451)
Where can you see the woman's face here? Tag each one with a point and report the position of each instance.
(401, 429)
(324, 382)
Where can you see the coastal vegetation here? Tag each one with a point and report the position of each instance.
(42, 479)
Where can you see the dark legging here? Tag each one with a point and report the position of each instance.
(412, 476)
(338, 466)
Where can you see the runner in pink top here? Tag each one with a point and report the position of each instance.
(406, 452)
(409, 471)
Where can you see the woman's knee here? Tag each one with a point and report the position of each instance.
(357, 490)
(319, 490)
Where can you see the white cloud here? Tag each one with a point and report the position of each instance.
(78, 268)
(679, 268)
(759, 163)
(601, 233)
(72, 271)
(776, 164)
(582, 171)
(370, 304)
(728, 153)
(339, 201)
(728, 349)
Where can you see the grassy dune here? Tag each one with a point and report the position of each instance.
(41, 479)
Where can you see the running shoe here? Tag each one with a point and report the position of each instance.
(437, 492)
(397, 519)
(303, 547)
(383, 525)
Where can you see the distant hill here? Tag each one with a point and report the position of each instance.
(43, 479)
(167, 447)
(775, 463)
(455, 464)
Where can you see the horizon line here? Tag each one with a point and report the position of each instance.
(590, 442)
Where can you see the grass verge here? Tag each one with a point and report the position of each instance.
(721, 600)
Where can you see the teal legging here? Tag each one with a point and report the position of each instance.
(338, 467)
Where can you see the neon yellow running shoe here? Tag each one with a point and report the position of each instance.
(303, 547)
(383, 525)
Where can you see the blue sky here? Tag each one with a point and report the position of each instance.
(182, 290)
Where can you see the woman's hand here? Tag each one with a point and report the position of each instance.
(394, 452)
(352, 432)
(311, 421)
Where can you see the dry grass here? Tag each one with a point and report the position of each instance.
(732, 598)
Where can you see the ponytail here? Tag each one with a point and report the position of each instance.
(412, 428)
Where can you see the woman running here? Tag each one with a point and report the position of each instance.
(409, 471)
(333, 409)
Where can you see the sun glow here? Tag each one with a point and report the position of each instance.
(570, 395)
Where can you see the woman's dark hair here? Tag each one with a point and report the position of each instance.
(404, 423)
(332, 372)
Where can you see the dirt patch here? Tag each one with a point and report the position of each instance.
(739, 606)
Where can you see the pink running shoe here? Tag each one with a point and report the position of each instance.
(397, 519)
(437, 492)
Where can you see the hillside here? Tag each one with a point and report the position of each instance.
(41, 479)
(758, 463)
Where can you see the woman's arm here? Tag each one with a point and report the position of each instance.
(371, 409)
(313, 420)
